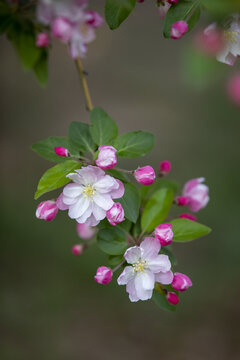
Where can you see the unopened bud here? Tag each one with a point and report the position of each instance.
(172, 298)
(188, 216)
(103, 275)
(181, 282)
(165, 167)
(61, 151)
(145, 175)
(47, 210)
(42, 40)
(116, 214)
(179, 29)
(182, 200)
(77, 249)
(107, 157)
(85, 232)
(62, 29)
(164, 234)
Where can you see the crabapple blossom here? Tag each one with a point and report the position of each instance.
(231, 47)
(172, 298)
(181, 282)
(179, 29)
(196, 193)
(42, 40)
(77, 249)
(163, 7)
(107, 158)
(116, 214)
(165, 167)
(146, 267)
(85, 232)
(61, 151)
(90, 195)
(103, 275)
(164, 234)
(172, 2)
(145, 175)
(47, 210)
(233, 89)
(188, 216)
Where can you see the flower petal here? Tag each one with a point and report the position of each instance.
(104, 201)
(106, 184)
(159, 263)
(119, 192)
(60, 204)
(98, 212)
(150, 248)
(91, 221)
(144, 284)
(72, 190)
(133, 254)
(76, 210)
(164, 278)
(126, 275)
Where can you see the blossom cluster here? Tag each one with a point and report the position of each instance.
(70, 22)
(109, 210)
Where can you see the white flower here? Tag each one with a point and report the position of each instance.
(90, 195)
(146, 268)
(231, 48)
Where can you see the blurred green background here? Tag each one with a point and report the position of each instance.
(51, 308)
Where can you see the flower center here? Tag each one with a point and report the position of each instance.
(89, 191)
(140, 266)
(230, 35)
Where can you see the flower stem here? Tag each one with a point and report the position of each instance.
(119, 265)
(84, 84)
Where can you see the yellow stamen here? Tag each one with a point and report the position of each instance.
(139, 266)
(89, 191)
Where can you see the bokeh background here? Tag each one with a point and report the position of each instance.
(50, 307)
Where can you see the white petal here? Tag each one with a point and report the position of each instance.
(72, 190)
(126, 275)
(90, 174)
(106, 184)
(133, 254)
(77, 210)
(91, 221)
(159, 263)
(104, 201)
(83, 218)
(69, 201)
(75, 178)
(98, 212)
(144, 284)
(164, 278)
(130, 288)
(150, 248)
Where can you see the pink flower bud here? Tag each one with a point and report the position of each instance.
(181, 282)
(141, 1)
(42, 40)
(61, 151)
(182, 200)
(145, 175)
(103, 275)
(172, 1)
(233, 89)
(85, 232)
(164, 234)
(165, 167)
(62, 29)
(196, 193)
(188, 216)
(47, 210)
(116, 214)
(172, 298)
(107, 158)
(179, 29)
(93, 19)
(77, 249)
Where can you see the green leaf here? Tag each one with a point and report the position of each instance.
(130, 202)
(41, 68)
(118, 175)
(45, 148)
(112, 241)
(187, 230)
(80, 137)
(116, 11)
(161, 301)
(103, 130)
(114, 260)
(187, 10)
(134, 144)
(56, 177)
(147, 191)
(157, 209)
